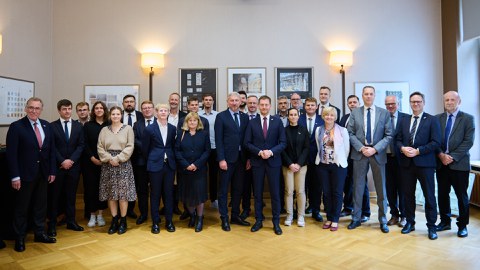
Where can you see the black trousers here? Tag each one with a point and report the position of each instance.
(273, 176)
(141, 184)
(66, 183)
(395, 195)
(91, 187)
(247, 191)
(213, 175)
(234, 175)
(314, 184)
(161, 183)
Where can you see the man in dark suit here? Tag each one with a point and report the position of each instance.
(313, 185)
(353, 102)
(453, 163)
(265, 140)
(418, 138)
(138, 161)
(69, 145)
(296, 102)
(395, 195)
(230, 126)
(130, 116)
(324, 101)
(31, 162)
(370, 133)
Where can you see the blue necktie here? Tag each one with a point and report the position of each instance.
(130, 120)
(369, 128)
(236, 119)
(67, 135)
(448, 128)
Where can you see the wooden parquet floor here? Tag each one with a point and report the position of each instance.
(298, 248)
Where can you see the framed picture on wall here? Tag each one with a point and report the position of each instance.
(111, 94)
(251, 80)
(383, 89)
(197, 82)
(14, 94)
(294, 80)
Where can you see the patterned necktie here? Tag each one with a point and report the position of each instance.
(310, 125)
(130, 119)
(265, 127)
(67, 135)
(369, 128)
(37, 134)
(448, 128)
(236, 119)
(412, 130)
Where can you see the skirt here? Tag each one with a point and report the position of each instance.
(117, 182)
(193, 187)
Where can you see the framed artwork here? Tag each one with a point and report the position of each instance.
(197, 82)
(14, 94)
(250, 80)
(383, 89)
(294, 80)
(111, 94)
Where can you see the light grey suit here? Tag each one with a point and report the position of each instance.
(382, 135)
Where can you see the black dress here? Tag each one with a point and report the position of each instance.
(193, 150)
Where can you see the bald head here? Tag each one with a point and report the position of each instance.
(451, 100)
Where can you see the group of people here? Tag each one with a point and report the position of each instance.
(306, 151)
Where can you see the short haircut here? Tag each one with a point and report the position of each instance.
(329, 110)
(325, 87)
(265, 97)
(282, 97)
(162, 105)
(416, 93)
(353, 96)
(207, 95)
(190, 99)
(311, 99)
(63, 102)
(233, 94)
(34, 99)
(253, 96)
(295, 94)
(146, 102)
(368, 86)
(81, 104)
(241, 92)
(105, 111)
(190, 116)
(129, 96)
(174, 93)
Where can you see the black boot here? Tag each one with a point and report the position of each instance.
(122, 228)
(198, 223)
(191, 222)
(114, 227)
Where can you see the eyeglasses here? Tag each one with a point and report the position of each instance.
(31, 108)
(390, 104)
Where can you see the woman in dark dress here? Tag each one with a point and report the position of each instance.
(91, 174)
(192, 150)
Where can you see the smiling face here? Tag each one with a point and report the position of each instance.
(193, 106)
(417, 103)
(115, 116)
(368, 96)
(451, 101)
(233, 102)
(295, 100)
(310, 108)
(162, 113)
(391, 104)
(98, 110)
(324, 95)
(264, 105)
(293, 117)
(282, 105)
(34, 109)
(147, 110)
(65, 112)
(252, 104)
(82, 112)
(352, 103)
(173, 101)
(192, 123)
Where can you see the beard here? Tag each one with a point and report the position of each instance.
(129, 109)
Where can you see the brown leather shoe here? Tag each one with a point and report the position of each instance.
(393, 221)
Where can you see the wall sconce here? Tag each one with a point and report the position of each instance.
(152, 60)
(1, 41)
(341, 59)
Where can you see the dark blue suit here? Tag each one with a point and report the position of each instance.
(421, 167)
(33, 165)
(66, 182)
(228, 140)
(161, 170)
(276, 142)
(313, 185)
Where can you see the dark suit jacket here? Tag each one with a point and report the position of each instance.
(25, 158)
(138, 115)
(193, 150)
(255, 142)
(228, 136)
(427, 140)
(460, 141)
(302, 146)
(302, 121)
(154, 150)
(337, 109)
(138, 128)
(74, 148)
(343, 121)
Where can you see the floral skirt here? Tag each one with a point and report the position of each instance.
(117, 182)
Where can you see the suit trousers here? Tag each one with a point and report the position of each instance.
(425, 176)
(31, 193)
(66, 182)
(247, 190)
(234, 175)
(360, 169)
(396, 198)
(348, 192)
(314, 184)
(447, 178)
(295, 182)
(213, 175)
(333, 180)
(141, 184)
(161, 183)
(273, 176)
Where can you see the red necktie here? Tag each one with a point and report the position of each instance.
(37, 134)
(265, 127)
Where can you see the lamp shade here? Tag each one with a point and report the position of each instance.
(339, 58)
(152, 60)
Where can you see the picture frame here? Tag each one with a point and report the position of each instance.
(251, 80)
(197, 82)
(14, 94)
(383, 89)
(111, 94)
(289, 80)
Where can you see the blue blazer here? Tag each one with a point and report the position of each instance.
(25, 158)
(74, 148)
(302, 121)
(228, 136)
(154, 150)
(192, 150)
(427, 140)
(138, 129)
(276, 141)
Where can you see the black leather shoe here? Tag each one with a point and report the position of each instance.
(353, 225)
(245, 214)
(443, 226)
(308, 210)
(43, 238)
(176, 210)
(257, 226)
(283, 211)
(384, 228)
(122, 227)
(463, 232)
(155, 228)
(2, 244)
(141, 219)
(409, 227)
(114, 226)
(345, 213)
(277, 229)
(52, 230)
(237, 220)
(317, 217)
(169, 226)
(364, 219)
(198, 223)
(131, 214)
(74, 227)
(432, 234)
(225, 224)
(19, 245)
(184, 215)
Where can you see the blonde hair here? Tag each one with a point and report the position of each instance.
(190, 116)
(328, 110)
(161, 105)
